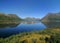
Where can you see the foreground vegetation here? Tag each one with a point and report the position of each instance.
(43, 36)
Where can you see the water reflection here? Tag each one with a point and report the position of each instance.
(15, 25)
(19, 28)
(8, 25)
(52, 24)
(30, 22)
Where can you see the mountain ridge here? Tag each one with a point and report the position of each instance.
(9, 18)
(51, 17)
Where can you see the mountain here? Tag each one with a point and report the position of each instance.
(9, 18)
(30, 19)
(51, 17)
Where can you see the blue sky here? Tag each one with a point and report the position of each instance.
(29, 8)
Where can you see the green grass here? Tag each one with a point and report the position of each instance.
(43, 36)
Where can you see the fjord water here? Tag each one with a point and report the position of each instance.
(11, 29)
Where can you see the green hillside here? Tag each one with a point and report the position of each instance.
(9, 18)
(51, 17)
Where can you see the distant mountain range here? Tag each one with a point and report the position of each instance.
(8, 18)
(29, 19)
(51, 17)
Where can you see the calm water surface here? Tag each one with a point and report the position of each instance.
(7, 30)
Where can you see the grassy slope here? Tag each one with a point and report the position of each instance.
(51, 17)
(30, 37)
(9, 19)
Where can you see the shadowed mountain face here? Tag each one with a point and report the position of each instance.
(51, 17)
